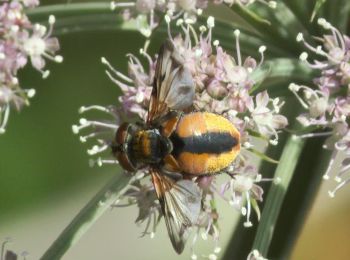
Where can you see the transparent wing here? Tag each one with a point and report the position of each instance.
(181, 203)
(173, 86)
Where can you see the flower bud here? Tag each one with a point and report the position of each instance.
(216, 90)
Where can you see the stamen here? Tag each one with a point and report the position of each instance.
(117, 73)
(4, 118)
(52, 19)
(262, 49)
(303, 56)
(211, 22)
(45, 73)
(300, 37)
(115, 5)
(97, 149)
(239, 58)
(99, 162)
(202, 28)
(167, 20)
(311, 135)
(124, 87)
(49, 32)
(84, 109)
(274, 142)
(217, 250)
(194, 34)
(342, 171)
(30, 92)
(342, 184)
(295, 88)
(85, 123)
(331, 162)
(248, 223)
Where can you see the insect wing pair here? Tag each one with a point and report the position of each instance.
(180, 200)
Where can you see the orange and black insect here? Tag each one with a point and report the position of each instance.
(177, 144)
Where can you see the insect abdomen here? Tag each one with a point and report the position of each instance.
(205, 143)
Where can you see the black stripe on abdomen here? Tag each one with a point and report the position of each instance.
(211, 143)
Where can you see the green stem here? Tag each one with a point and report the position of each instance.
(306, 181)
(300, 12)
(70, 9)
(88, 216)
(87, 17)
(276, 195)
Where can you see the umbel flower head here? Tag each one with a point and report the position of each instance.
(146, 12)
(21, 41)
(328, 105)
(223, 86)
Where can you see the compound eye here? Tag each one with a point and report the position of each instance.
(125, 162)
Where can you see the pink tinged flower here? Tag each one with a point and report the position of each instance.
(335, 54)
(39, 45)
(315, 101)
(207, 225)
(267, 120)
(144, 196)
(329, 105)
(136, 86)
(244, 191)
(216, 89)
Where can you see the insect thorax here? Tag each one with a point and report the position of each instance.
(149, 147)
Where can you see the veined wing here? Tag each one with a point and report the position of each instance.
(181, 203)
(173, 86)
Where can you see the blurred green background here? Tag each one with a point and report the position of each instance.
(45, 178)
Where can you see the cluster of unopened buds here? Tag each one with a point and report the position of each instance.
(146, 12)
(223, 86)
(21, 41)
(328, 105)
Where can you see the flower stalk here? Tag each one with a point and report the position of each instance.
(307, 179)
(276, 195)
(88, 215)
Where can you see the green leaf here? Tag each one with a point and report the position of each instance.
(267, 31)
(262, 156)
(317, 7)
(80, 17)
(281, 70)
(300, 11)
